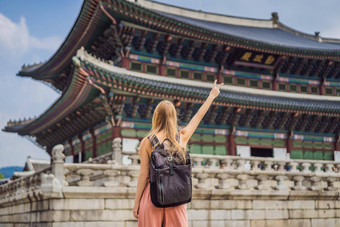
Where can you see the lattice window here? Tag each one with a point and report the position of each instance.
(171, 72)
(151, 69)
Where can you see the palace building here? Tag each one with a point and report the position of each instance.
(121, 58)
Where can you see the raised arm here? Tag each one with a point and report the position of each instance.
(187, 132)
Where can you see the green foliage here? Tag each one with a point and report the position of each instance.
(1, 176)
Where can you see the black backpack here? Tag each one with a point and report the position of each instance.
(170, 177)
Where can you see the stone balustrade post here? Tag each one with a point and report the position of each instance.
(134, 158)
(306, 166)
(331, 184)
(337, 168)
(213, 163)
(329, 168)
(256, 165)
(294, 166)
(85, 177)
(111, 178)
(242, 181)
(317, 167)
(268, 166)
(202, 180)
(263, 182)
(315, 184)
(117, 150)
(280, 182)
(281, 166)
(222, 184)
(241, 164)
(198, 162)
(298, 183)
(228, 164)
(58, 163)
(133, 174)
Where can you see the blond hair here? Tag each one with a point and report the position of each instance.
(165, 119)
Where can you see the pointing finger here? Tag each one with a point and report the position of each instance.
(215, 83)
(220, 85)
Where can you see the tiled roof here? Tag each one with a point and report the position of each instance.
(276, 36)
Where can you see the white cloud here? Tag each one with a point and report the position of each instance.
(27, 97)
(15, 39)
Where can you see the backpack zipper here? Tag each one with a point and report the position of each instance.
(160, 188)
(161, 192)
(171, 165)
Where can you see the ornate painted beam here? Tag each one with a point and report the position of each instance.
(188, 112)
(283, 121)
(142, 40)
(261, 116)
(151, 44)
(148, 109)
(211, 54)
(301, 66)
(187, 51)
(293, 122)
(314, 123)
(291, 63)
(212, 114)
(175, 49)
(324, 124)
(305, 123)
(248, 117)
(135, 106)
(200, 51)
(225, 115)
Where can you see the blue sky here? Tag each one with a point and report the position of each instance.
(31, 31)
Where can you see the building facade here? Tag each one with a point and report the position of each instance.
(121, 58)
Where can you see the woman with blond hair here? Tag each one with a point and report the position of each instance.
(164, 127)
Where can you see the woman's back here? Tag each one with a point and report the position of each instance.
(164, 127)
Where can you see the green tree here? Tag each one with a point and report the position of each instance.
(1, 176)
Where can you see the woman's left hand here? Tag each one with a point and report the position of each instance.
(215, 91)
(135, 212)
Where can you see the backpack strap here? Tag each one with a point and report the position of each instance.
(154, 140)
(177, 137)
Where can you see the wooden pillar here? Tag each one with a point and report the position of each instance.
(289, 142)
(321, 86)
(231, 142)
(82, 148)
(125, 63)
(116, 131)
(162, 67)
(274, 82)
(72, 149)
(336, 143)
(94, 143)
(219, 75)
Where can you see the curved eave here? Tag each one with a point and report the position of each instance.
(14, 128)
(157, 21)
(90, 14)
(123, 80)
(78, 93)
(78, 36)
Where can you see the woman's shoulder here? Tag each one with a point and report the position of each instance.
(145, 142)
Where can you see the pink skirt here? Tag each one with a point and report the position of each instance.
(151, 216)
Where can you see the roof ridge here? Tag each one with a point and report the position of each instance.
(202, 15)
(273, 22)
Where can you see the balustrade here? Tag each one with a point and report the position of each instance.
(209, 172)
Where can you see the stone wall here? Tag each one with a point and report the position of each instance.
(110, 207)
(227, 191)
